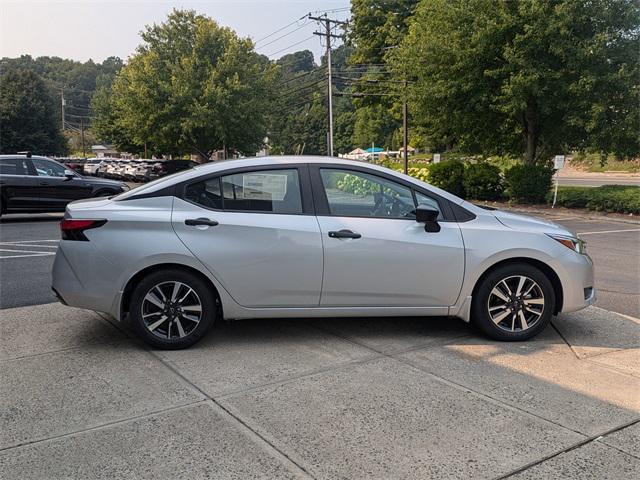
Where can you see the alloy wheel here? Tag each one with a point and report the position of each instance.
(171, 310)
(516, 303)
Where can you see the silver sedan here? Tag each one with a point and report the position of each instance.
(312, 237)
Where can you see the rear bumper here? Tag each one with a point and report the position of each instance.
(77, 289)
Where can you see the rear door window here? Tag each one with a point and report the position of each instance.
(13, 166)
(265, 191)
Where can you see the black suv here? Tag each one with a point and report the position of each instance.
(39, 184)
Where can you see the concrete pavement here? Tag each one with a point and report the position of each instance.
(349, 398)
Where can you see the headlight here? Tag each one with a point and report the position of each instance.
(574, 243)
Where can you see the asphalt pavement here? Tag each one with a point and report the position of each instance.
(598, 180)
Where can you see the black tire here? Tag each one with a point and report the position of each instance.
(159, 337)
(537, 321)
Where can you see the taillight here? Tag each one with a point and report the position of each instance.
(74, 229)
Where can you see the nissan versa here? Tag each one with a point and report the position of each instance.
(312, 237)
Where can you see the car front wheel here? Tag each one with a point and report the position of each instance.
(172, 309)
(514, 302)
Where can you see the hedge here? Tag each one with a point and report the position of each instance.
(608, 198)
(529, 183)
(483, 181)
(448, 175)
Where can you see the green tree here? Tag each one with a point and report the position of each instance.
(377, 26)
(192, 86)
(525, 77)
(27, 115)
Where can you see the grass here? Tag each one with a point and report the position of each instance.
(608, 198)
(593, 162)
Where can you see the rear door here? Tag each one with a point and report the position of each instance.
(375, 253)
(17, 187)
(255, 230)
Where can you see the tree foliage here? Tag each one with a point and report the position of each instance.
(78, 81)
(191, 86)
(525, 77)
(27, 115)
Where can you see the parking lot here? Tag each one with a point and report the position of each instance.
(345, 398)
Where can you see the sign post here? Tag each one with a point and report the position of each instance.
(558, 164)
(436, 158)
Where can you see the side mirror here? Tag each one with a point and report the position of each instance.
(69, 174)
(429, 217)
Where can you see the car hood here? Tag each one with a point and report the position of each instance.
(102, 181)
(529, 223)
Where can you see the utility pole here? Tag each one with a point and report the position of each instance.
(63, 103)
(405, 129)
(328, 36)
(84, 151)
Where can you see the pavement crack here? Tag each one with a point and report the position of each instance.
(553, 325)
(570, 448)
(99, 427)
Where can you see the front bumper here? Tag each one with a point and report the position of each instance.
(576, 275)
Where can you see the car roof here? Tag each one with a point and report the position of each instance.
(19, 155)
(222, 165)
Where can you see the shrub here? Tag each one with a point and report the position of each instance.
(529, 183)
(608, 198)
(448, 175)
(419, 173)
(483, 181)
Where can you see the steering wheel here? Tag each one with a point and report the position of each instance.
(384, 208)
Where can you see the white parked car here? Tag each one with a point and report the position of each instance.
(315, 237)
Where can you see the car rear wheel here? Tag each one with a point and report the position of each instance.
(514, 302)
(172, 309)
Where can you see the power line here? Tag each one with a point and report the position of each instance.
(280, 29)
(328, 27)
(292, 45)
(304, 87)
(283, 36)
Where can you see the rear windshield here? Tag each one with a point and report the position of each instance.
(170, 179)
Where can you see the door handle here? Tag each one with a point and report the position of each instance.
(44, 184)
(192, 222)
(344, 234)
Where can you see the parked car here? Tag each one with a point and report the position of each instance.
(142, 172)
(129, 170)
(112, 168)
(162, 168)
(92, 166)
(317, 237)
(75, 164)
(38, 184)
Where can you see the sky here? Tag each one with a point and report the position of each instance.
(98, 29)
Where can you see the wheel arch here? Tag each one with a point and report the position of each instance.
(540, 265)
(137, 277)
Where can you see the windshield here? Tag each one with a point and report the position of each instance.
(150, 185)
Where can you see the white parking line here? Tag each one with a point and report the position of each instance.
(8, 244)
(25, 251)
(611, 231)
(32, 241)
(48, 254)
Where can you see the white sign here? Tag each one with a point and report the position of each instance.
(558, 162)
(264, 186)
(436, 158)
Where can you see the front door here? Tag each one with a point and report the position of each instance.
(375, 253)
(54, 188)
(256, 234)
